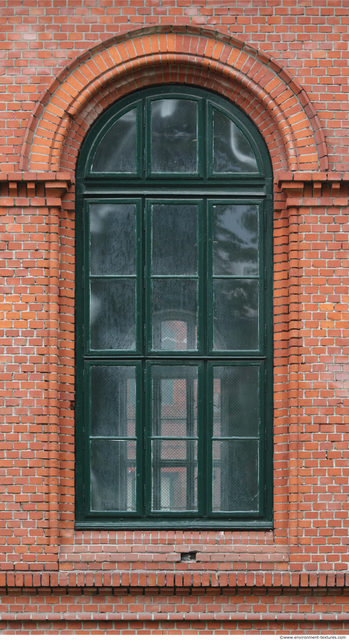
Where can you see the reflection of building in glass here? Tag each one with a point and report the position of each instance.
(174, 440)
(173, 335)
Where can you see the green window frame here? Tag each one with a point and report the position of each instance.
(174, 406)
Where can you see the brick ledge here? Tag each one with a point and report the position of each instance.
(173, 580)
(36, 176)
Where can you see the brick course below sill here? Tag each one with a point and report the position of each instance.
(189, 581)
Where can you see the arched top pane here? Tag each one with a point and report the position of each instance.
(117, 151)
(174, 133)
(232, 152)
(174, 136)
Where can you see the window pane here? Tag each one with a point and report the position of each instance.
(117, 151)
(113, 239)
(235, 475)
(235, 239)
(113, 467)
(167, 389)
(235, 401)
(174, 461)
(113, 408)
(174, 475)
(174, 401)
(235, 314)
(174, 239)
(232, 151)
(174, 136)
(174, 310)
(113, 313)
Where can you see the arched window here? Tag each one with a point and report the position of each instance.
(174, 316)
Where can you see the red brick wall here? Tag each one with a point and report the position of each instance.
(299, 101)
(183, 627)
(242, 611)
(308, 38)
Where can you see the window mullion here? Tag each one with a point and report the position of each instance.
(144, 391)
(189, 445)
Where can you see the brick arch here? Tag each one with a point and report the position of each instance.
(108, 94)
(201, 57)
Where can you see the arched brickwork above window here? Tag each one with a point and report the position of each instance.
(252, 79)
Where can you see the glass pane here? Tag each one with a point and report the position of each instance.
(113, 407)
(232, 151)
(173, 335)
(174, 314)
(174, 401)
(235, 475)
(235, 401)
(174, 136)
(235, 314)
(113, 239)
(117, 151)
(174, 239)
(174, 475)
(235, 239)
(167, 389)
(113, 313)
(113, 473)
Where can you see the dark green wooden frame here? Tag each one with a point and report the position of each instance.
(253, 188)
